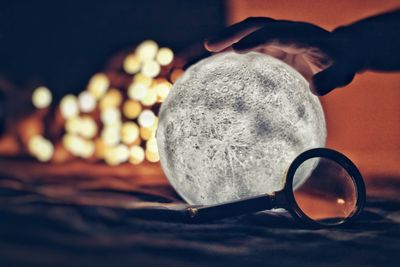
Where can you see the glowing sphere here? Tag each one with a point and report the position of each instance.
(162, 90)
(41, 148)
(132, 64)
(112, 99)
(151, 68)
(232, 124)
(69, 106)
(150, 98)
(146, 118)
(42, 97)
(98, 85)
(129, 132)
(131, 109)
(165, 56)
(147, 50)
(87, 102)
(136, 155)
(137, 91)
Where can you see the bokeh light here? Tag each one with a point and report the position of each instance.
(132, 64)
(147, 50)
(132, 109)
(151, 68)
(87, 102)
(111, 120)
(137, 91)
(98, 85)
(41, 97)
(41, 148)
(164, 56)
(112, 99)
(69, 106)
(136, 155)
(146, 118)
(129, 132)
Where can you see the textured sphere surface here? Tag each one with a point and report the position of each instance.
(233, 123)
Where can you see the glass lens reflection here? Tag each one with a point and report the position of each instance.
(328, 194)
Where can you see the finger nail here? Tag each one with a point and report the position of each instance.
(206, 45)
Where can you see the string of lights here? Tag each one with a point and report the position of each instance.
(110, 120)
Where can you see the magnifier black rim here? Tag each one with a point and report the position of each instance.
(342, 160)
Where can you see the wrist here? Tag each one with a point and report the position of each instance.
(350, 47)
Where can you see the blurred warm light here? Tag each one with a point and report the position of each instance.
(69, 106)
(111, 135)
(150, 132)
(73, 125)
(151, 145)
(152, 156)
(74, 144)
(153, 127)
(137, 91)
(132, 64)
(29, 127)
(150, 98)
(106, 123)
(116, 155)
(129, 132)
(98, 85)
(141, 78)
(151, 68)
(131, 109)
(87, 149)
(112, 99)
(146, 133)
(45, 150)
(136, 155)
(10, 145)
(34, 142)
(100, 148)
(88, 127)
(68, 140)
(147, 50)
(41, 97)
(122, 152)
(176, 73)
(41, 148)
(111, 116)
(87, 102)
(138, 141)
(61, 154)
(164, 56)
(146, 118)
(162, 90)
(111, 156)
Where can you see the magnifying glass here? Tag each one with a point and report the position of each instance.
(323, 188)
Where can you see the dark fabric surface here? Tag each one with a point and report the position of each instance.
(72, 216)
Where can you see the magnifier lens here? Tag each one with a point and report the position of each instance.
(324, 191)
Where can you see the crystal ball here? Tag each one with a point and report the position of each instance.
(233, 123)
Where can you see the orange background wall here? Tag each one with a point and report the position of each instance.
(363, 118)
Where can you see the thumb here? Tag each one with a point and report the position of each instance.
(338, 74)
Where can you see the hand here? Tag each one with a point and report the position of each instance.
(309, 49)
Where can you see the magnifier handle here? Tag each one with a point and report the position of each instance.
(229, 209)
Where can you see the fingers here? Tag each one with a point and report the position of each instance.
(300, 34)
(337, 75)
(305, 46)
(234, 33)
